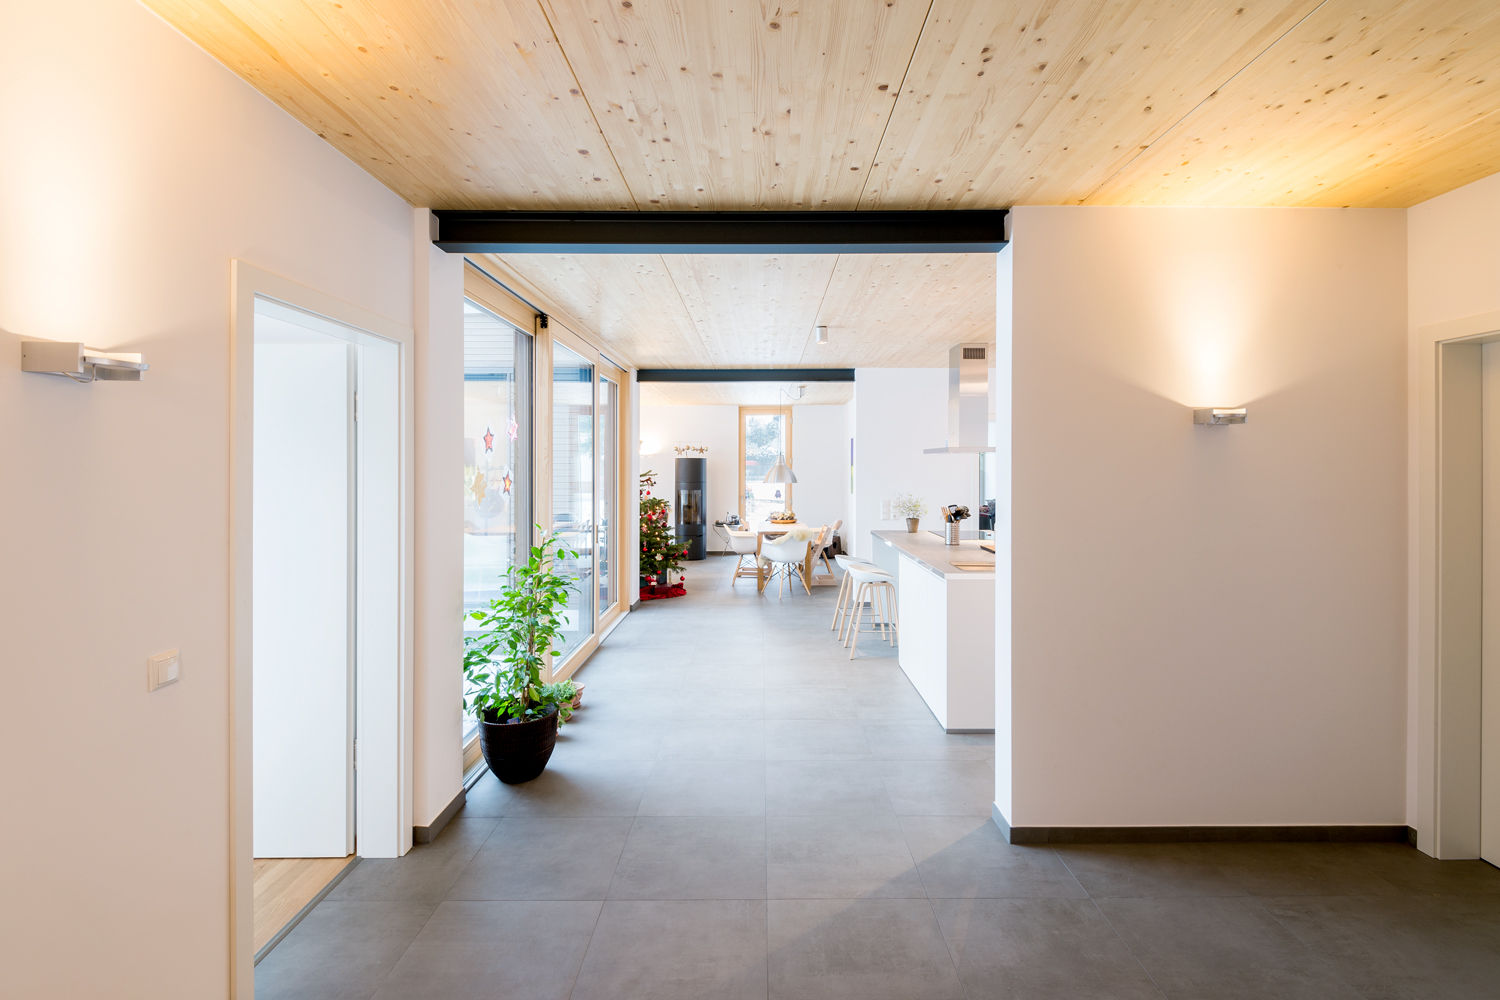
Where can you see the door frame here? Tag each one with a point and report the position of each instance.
(1444, 607)
(385, 710)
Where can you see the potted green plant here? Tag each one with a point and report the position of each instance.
(506, 658)
(911, 507)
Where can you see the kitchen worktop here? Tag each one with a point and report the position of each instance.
(929, 550)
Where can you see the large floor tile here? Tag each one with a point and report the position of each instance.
(693, 857)
(340, 951)
(1040, 949)
(1402, 947)
(839, 857)
(545, 858)
(481, 950)
(1229, 948)
(676, 950)
(822, 739)
(725, 740)
(1301, 869)
(572, 787)
(867, 949)
(964, 856)
(705, 788)
(487, 799)
(926, 740)
(425, 874)
(940, 788)
(1151, 870)
(825, 788)
(610, 737)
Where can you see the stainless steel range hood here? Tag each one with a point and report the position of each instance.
(968, 401)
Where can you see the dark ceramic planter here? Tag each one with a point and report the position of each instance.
(518, 751)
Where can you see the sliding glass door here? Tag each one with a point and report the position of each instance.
(609, 488)
(497, 453)
(573, 507)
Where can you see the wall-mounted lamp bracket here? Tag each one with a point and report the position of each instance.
(73, 360)
(1219, 416)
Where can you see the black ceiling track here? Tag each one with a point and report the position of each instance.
(745, 375)
(963, 231)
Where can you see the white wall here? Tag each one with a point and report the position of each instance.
(898, 412)
(1453, 255)
(1208, 622)
(1000, 490)
(437, 766)
(135, 168)
(820, 457)
(714, 427)
(820, 450)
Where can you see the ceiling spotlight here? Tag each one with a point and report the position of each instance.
(822, 335)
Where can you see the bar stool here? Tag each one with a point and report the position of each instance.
(879, 588)
(841, 607)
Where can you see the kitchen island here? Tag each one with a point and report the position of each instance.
(945, 597)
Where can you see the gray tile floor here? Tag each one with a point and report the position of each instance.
(742, 812)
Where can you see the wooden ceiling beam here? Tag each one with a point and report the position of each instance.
(960, 231)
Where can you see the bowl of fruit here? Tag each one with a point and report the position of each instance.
(782, 517)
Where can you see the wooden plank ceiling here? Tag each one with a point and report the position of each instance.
(866, 104)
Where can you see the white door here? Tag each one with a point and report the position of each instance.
(303, 645)
(1489, 768)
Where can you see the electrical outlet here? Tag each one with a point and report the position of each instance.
(162, 669)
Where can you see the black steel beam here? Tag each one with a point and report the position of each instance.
(966, 231)
(745, 375)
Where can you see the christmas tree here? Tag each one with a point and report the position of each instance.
(660, 550)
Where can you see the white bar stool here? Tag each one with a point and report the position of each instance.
(841, 607)
(879, 588)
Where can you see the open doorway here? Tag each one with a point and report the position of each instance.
(1464, 622)
(320, 714)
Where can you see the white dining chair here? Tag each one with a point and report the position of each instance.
(787, 557)
(743, 545)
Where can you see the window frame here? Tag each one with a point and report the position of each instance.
(785, 412)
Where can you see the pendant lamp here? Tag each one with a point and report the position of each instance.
(781, 472)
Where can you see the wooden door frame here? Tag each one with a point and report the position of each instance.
(754, 411)
(393, 711)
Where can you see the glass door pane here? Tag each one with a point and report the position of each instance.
(573, 485)
(497, 453)
(609, 485)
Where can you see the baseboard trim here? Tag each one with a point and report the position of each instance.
(280, 935)
(427, 834)
(1308, 834)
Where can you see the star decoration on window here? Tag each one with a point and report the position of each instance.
(489, 440)
(513, 429)
(505, 482)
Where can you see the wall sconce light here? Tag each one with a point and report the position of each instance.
(79, 363)
(821, 335)
(1219, 416)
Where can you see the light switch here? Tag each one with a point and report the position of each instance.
(163, 668)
